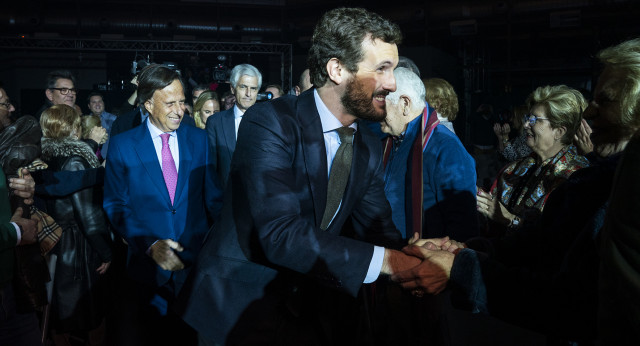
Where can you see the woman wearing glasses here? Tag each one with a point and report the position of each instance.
(519, 193)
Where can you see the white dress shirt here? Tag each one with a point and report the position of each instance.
(330, 124)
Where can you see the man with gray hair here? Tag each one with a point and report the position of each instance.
(421, 152)
(246, 80)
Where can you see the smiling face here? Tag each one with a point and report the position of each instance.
(208, 109)
(96, 105)
(604, 110)
(166, 107)
(543, 139)
(56, 97)
(246, 91)
(366, 91)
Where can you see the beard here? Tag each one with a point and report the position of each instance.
(357, 102)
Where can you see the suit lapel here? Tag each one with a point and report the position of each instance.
(229, 130)
(147, 155)
(315, 155)
(186, 148)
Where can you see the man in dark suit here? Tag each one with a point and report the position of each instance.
(159, 185)
(223, 128)
(287, 258)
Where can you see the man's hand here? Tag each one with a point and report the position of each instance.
(431, 275)
(28, 227)
(103, 268)
(443, 243)
(395, 262)
(163, 253)
(23, 187)
(582, 138)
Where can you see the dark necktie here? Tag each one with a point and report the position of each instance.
(340, 169)
(169, 170)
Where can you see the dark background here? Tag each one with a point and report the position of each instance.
(493, 52)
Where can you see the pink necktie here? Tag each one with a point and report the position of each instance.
(168, 167)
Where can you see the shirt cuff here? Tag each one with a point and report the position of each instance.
(18, 233)
(376, 265)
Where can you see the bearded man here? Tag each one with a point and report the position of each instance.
(305, 220)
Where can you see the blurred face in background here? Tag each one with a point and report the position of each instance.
(63, 93)
(6, 108)
(210, 107)
(96, 105)
(246, 92)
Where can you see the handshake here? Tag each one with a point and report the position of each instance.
(422, 266)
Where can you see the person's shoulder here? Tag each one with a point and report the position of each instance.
(282, 108)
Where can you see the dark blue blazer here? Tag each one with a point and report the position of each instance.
(269, 233)
(221, 129)
(137, 202)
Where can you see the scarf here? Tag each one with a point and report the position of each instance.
(428, 122)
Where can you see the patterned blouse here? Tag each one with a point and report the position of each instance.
(517, 148)
(523, 186)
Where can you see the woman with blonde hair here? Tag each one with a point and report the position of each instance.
(84, 249)
(441, 96)
(206, 105)
(519, 193)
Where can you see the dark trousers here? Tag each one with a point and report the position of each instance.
(17, 329)
(132, 320)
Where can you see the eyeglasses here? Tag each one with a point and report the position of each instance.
(64, 91)
(532, 119)
(6, 104)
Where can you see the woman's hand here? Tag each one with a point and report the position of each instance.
(491, 207)
(103, 268)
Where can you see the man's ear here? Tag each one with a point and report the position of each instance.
(337, 72)
(148, 105)
(405, 101)
(49, 94)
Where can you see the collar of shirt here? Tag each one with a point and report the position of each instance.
(237, 113)
(329, 125)
(328, 120)
(157, 143)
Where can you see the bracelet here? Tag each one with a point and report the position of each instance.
(505, 140)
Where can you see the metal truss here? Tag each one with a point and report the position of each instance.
(285, 51)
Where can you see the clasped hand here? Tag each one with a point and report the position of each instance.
(164, 254)
(423, 266)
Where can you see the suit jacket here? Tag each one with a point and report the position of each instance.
(8, 236)
(221, 128)
(137, 202)
(269, 235)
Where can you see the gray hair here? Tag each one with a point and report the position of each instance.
(245, 70)
(403, 61)
(407, 84)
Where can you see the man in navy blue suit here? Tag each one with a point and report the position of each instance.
(159, 185)
(223, 127)
(282, 267)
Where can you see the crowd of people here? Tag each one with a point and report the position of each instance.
(347, 212)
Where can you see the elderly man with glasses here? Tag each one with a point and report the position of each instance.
(60, 90)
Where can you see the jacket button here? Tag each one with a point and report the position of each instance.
(173, 211)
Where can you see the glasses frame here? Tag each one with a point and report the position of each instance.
(532, 119)
(66, 91)
(7, 104)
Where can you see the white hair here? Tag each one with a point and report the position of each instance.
(408, 84)
(245, 70)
